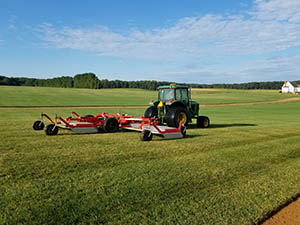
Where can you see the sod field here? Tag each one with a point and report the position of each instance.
(236, 172)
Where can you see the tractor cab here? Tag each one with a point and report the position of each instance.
(169, 94)
(166, 94)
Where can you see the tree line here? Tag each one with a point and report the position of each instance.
(250, 85)
(90, 80)
(85, 80)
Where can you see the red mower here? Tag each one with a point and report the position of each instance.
(109, 123)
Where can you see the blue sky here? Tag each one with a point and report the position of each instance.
(184, 41)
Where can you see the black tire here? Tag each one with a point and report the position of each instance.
(38, 125)
(51, 130)
(151, 112)
(183, 131)
(110, 125)
(174, 115)
(203, 122)
(146, 135)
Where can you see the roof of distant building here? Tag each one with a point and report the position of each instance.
(295, 84)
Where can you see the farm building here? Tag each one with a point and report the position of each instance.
(290, 87)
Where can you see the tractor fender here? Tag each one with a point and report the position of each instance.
(154, 103)
(194, 108)
(178, 104)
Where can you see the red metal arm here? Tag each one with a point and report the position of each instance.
(75, 114)
(45, 115)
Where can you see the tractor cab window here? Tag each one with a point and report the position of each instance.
(182, 95)
(166, 94)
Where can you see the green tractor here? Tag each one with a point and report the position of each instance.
(173, 105)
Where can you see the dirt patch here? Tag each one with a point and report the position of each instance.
(145, 106)
(289, 215)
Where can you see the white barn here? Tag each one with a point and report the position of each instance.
(290, 87)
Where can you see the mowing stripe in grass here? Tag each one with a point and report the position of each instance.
(236, 172)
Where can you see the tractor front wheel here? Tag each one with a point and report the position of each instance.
(175, 115)
(203, 122)
(150, 112)
(110, 125)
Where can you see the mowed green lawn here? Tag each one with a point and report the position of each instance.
(236, 172)
(223, 96)
(41, 96)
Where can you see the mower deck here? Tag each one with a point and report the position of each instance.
(165, 131)
(110, 123)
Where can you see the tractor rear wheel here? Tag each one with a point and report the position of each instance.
(203, 122)
(150, 112)
(175, 115)
(146, 135)
(110, 125)
(51, 129)
(38, 125)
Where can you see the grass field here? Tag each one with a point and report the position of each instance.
(38, 96)
(236, 172)
(30, 96)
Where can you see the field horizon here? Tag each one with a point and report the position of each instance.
(49, 96)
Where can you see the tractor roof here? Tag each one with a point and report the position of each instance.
(173, 86)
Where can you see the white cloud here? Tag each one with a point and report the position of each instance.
(272, 26)
(277, 68)
(272, 69)
(278, 10)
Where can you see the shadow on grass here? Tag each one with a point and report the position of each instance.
(66, 133)
(190, 126)
(193, 136)
(213, 126)
(161, 138)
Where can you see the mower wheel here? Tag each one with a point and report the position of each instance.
(175, 115)
(38, 125)
(183, 130)
(150, 112)
(51, 129)
(146, 135)
(203, 122)
(110, 125)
